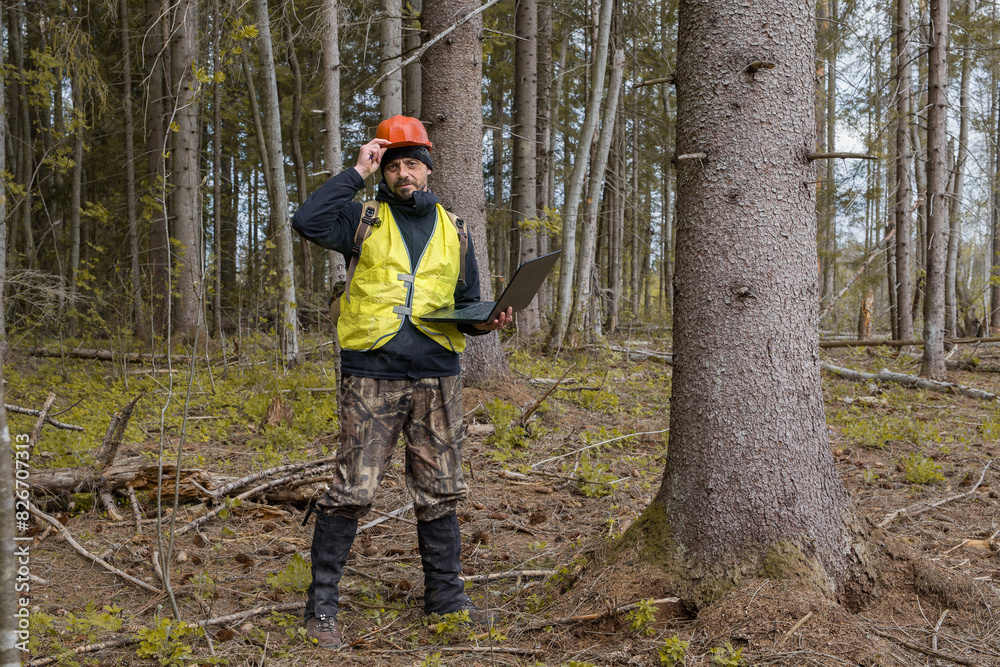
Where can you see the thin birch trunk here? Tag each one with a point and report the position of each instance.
(585, 276)
(994, 314)
(523, 129)
(567, 265)
(216, 167)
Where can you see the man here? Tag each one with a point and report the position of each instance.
(400, 374)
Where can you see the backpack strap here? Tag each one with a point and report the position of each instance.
(463, 240)
(369, 219)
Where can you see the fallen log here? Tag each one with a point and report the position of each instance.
(130, 357)
(17, 410)
(911, 381)
(825, 344)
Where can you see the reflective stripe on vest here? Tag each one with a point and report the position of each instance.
(386, 289)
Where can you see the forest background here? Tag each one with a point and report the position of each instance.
(152, 154)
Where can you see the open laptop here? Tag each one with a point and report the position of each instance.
(519, 292)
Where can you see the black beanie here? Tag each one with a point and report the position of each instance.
(415, 152)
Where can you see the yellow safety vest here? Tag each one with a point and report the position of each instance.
(385, 288)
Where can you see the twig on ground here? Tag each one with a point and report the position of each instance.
(83, 552)
(509, 574)
(599, 615)
(926, 651)
(395, 512)
(461, 649)
(920, 508)
(530, 411)
(597, 444)
(389, 515)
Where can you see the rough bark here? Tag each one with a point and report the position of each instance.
(412, 75)
(749, 484)
(937, 180)
(523, 129)
(574, 190)
(391, 93)
(288, 327)
(131, 216)
(451, 105)
(904, 316)
(186, 214)
(156, 149)
(216, 167)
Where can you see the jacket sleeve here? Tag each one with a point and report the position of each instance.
(330, 216)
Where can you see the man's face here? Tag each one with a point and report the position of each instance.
(405, 176)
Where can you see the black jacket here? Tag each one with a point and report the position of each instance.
(330, 218)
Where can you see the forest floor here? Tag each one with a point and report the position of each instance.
(539, 505)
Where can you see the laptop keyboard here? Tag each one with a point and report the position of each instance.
(474, 312)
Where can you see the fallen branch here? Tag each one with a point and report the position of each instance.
(385, 517)
(510, 574)
(191, 525)
(902, 343)
(642, 355)
(911, 381)
(599, 615)
(250, 479)
(36, 432)
(530, 411)
(920, 508)
(597, 444)
(86, 554)
(461, 649)
(926, 651)
(36, 413)
(108, 355)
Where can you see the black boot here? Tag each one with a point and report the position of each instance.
(440, 544)
(331, 544)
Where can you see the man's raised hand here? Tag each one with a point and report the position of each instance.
(369, 157)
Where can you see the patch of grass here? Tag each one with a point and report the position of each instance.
(921, 470)
(294, 578)
(877, 430)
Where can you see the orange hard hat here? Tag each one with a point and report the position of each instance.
(403, 131)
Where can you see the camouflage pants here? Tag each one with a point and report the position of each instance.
(428, 412)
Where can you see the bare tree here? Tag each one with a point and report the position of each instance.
(749, 470)
(156, 151)
(451, 105)
(216, 166)
(958, 189)
(937, 191)
(412, 75)
(288, 331)
(131, 217)
(574, 190)
(523, 129)
(904, 317)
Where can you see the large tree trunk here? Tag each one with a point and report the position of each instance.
(391, 94)
(523, 129)
(451, 104)
(186, 215)
(937, 181)
(288, 330)
(156, 150)
(749, 477)
(131, 216)
(904, 233)
(574, 191)
(216, 168)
